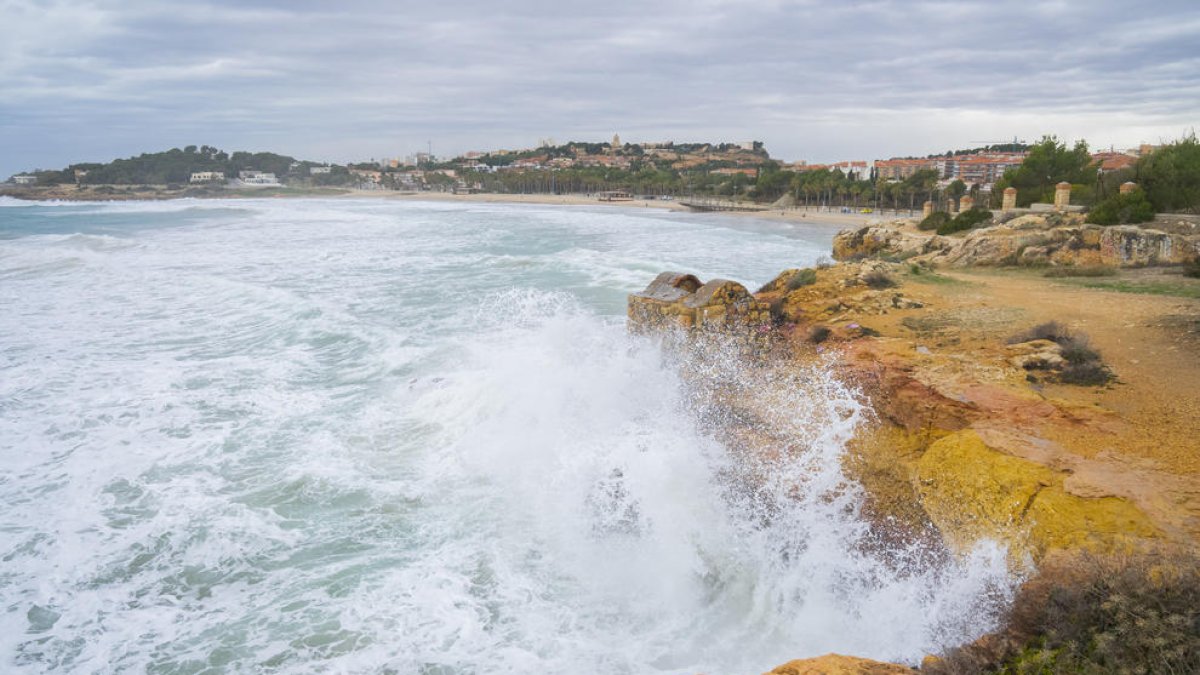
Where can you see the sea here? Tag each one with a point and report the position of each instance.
(384, 436)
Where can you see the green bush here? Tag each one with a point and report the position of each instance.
(965, 221)
(802, 278)
(1192, 269)
(1122, 210)
(934, 221)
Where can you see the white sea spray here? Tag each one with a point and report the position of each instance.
(364, 436)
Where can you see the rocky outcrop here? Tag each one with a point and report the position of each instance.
(966, 447)
(1036, 240)
(676, 301)
(836, 664)
(972, 490)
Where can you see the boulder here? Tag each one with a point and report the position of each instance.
(676, 301)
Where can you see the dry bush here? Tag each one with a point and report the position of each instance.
(1090, 614)
(878, 280)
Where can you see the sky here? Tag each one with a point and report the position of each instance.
(814, 80)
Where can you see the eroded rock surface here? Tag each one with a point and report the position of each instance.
(1031, 240)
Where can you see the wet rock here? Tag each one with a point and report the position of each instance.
(678, 301)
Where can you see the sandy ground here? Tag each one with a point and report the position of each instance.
(1149, 341)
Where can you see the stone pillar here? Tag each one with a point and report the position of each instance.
(1010, 199)
(927, 209)
(1128, 187)
(966, 203)
(1062, 196)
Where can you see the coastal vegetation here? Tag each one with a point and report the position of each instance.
(175, 167)
(964, 221)
(1122, 209)
(1094, 614)
(1049, 163)
(1170, 176)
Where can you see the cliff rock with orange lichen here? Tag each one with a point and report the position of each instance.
(973, 437)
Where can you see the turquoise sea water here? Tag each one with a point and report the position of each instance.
(371, 436)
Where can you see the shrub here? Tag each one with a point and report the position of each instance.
(1078, 351)
(1192, 269)
(934, 221)
(965, 221)
(878, 279)
(1083, 364)
(776, 309)
(819, 334)
(804, 277)
(1051, 330)
(1122, 209)
(1085, 374)
(1090, 614)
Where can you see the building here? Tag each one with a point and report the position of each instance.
(207, 177)
(251, 177)
(24, 179)
(315, 170)
(899, 169)
(753, 173)
(982, 169)
(1107, 162)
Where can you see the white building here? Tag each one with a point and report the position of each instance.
(25, 180)
(257, 178)
(314, 170)
(207, 177)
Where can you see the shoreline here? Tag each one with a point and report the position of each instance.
(812, 215)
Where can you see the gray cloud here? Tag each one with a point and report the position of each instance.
(815, 80)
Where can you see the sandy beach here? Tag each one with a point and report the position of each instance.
(810, 215)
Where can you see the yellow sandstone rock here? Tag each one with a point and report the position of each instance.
(972, 491)
(836, 664)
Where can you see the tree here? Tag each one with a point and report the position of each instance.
(1170, 176)
(1121, 209)
(1049, 163)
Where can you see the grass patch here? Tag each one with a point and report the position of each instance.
(924, 276)
(1087, 271)
(1182, 289)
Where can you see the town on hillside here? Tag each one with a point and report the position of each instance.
(708, 175)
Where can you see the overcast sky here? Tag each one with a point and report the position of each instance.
(815, 80)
